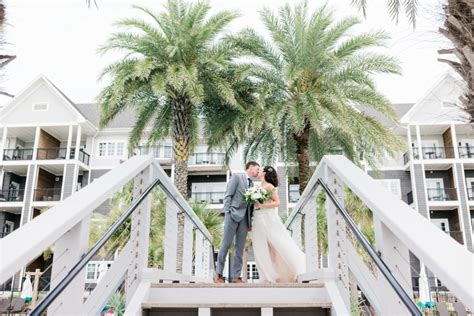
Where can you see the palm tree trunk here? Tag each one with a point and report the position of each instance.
(302, 156)
(181, 134)
(459, 29)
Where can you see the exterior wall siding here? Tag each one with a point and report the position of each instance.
(420, 185)
(464, 211)
(402, 175)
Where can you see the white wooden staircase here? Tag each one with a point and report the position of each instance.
(382, 273)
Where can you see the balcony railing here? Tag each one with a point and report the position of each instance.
(434, 152)
(470, 194)
(12, 195)
(83, 156)
(206, 159)
(48, 194)
(442, 194)
(293, 195)
(18, 154)
(466, 152)
(208, 197)
(163, 152)
(406, 158)
(51, 153)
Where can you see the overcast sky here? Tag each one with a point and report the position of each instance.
(59, 38)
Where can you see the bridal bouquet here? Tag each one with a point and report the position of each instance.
(256, 194)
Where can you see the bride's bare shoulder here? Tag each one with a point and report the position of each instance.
(269, 187)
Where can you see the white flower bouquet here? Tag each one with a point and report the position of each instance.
(256, 194)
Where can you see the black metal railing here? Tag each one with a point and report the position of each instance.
(433, 152)
(208, 197)
(442, 194)
(47, 194)
(83, 156)
(50, 153)
(293, 195)
(18, 154)
(157, 151)
(466, 152)
(410, 198)
(395, 285)
(207, 158)
(12, 195)
(470, 194)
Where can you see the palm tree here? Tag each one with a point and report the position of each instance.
(176, 65)
(5, 59)
(212, 220)
(318, 86)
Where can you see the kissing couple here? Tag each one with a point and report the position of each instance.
(277, 256)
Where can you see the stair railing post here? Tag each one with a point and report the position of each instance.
(139, 232)
(68, 249)
(337, 237)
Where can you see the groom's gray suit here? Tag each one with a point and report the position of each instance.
(237, 220)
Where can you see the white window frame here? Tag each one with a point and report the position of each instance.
(122, 147)
(40, 103)
(104, 153)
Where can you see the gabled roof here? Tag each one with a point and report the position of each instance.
(41, 78)
(432, 92)
(91, 111)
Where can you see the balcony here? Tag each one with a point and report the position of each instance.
(47, 194)
(466, 152)
(160, 152)
(18, 154)
(442, 194)
(429, 153)
(12, 195)
(208, 197)
(206, 159)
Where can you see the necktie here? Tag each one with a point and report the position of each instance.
(250, 182)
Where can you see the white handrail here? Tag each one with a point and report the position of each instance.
(450, 261)
(29, 241)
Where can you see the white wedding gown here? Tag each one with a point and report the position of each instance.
(277, 256)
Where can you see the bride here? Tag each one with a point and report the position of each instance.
(277, 256)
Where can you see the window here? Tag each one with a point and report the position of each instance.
(102, 148)
(40, 106)
(393, 185)
(120, 147)
(90, 271)
(110, 149)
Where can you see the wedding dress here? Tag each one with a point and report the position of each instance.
(277, 256)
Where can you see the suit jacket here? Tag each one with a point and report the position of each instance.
(234, 202)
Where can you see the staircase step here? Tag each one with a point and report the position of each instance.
(244, 295)
(238, 285)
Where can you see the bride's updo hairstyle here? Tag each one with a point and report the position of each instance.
(271, 175)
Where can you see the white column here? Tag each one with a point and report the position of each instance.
(418, 140)
(410, 148)
(267, 311)
(4, 142)
(36, 143)
(454, 139)
(69, 141)
(78, 142)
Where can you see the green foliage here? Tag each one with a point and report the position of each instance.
(315, 77)
(117, 303)
(178, 66)
(212, 220)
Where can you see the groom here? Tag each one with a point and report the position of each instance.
(238, 216)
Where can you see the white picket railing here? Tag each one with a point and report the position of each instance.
(398, 230)
(66, 226)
